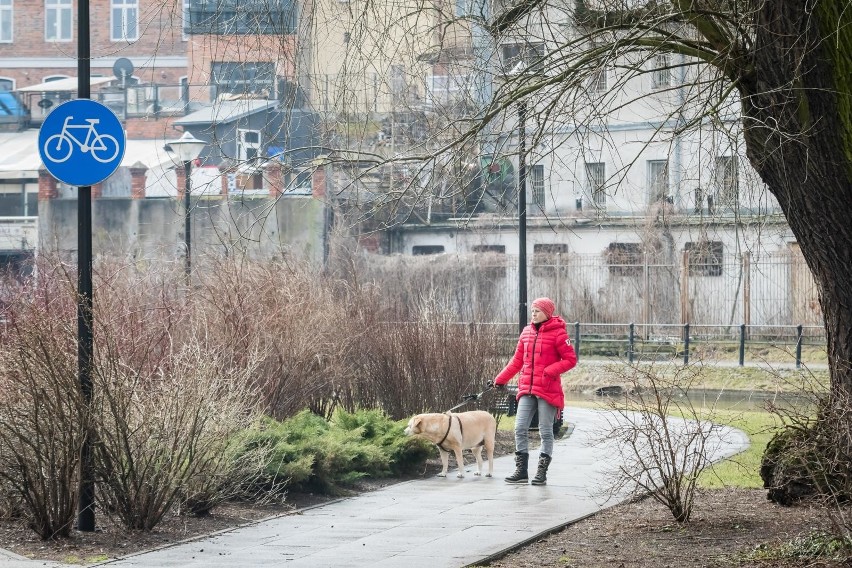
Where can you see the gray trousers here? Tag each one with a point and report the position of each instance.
(546, 415)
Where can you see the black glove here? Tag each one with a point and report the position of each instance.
(493, 385)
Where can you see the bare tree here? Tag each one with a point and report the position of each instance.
(663, 441)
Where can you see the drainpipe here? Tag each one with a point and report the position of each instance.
(678, 148)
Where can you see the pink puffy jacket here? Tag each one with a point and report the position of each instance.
(541, 357)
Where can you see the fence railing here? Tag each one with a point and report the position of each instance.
(769, 295)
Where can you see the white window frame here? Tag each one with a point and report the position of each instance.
(124, 10)
(7, 15)
(596, 183)
(537, 185)
(10, 80)
(443, 89)
(184, 20)
(661, 77)
(726, 180)
(598, 82)
(59, 8)
(243, 146)
(531, 54)
(658, 180)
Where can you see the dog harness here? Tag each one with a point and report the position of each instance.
(447, 433)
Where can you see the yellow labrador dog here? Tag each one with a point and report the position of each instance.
(456, 432)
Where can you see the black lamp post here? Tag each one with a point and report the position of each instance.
(522, 215)
(184, 150)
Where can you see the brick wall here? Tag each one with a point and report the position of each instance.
(204, 50)
(159, 29)
(150, 128)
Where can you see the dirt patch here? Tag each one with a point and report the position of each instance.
(730, 527)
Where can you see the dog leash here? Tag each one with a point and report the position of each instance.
(469, 398)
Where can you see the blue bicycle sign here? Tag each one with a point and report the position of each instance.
(81, 142)
(59, 147)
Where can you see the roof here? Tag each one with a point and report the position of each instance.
(19, 155)
(226, 111)
(67, 84)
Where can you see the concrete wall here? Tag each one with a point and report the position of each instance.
(154, 228)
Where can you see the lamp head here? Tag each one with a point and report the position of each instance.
(186, 148)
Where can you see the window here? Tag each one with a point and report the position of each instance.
(546, 258)
(398, 84)
(125, 20)
(491, 259)
(238, 77)
(499, 249)
(445, 88)
(595, 183)
(537, 185)
(530, 54)
(7, 84)
(662, 75)
(624, 259)
(185, 18)
(57, 20)
(241, 17)
(726, 180)
(705, 258)
(248, 144)
(421, 250)
(597, 80)
(658, 180)
(6, 18)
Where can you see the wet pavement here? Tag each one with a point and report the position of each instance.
(437, 522)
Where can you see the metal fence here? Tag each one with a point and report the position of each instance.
(771, 295)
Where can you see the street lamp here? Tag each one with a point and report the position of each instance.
(519, 70)
(184, 150)
(522, 215)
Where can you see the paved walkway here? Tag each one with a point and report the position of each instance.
(426, 523)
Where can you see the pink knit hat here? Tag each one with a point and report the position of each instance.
(546, 305)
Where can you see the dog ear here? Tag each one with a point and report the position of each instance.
(416, 422)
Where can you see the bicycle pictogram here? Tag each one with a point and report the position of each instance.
(59, 147)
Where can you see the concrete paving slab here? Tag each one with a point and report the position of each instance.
(438, 522)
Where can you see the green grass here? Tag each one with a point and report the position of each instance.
(742, 470)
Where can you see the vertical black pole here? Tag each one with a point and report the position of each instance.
(577, 339)
(86, 499)
(799, 346)
(523, 317)
(742, 344)
(686, 344)
(187, 220)
(630, 340)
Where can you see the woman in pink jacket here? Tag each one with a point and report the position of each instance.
(544, 352)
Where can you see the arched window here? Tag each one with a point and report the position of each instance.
(7, 84)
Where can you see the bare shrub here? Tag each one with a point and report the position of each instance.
(165, 437)
(11, 505)
(287, 314)
(42, 418)
(420, 366)
(663, 442)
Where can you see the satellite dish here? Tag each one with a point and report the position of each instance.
(122, 69)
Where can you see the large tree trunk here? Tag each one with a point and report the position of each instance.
(798, 125)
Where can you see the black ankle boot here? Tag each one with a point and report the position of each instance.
(541, 475)
(522, 461)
